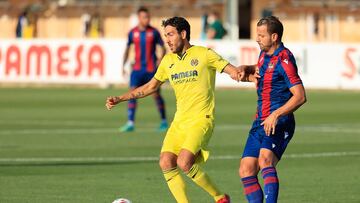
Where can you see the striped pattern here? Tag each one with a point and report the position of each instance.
(145, 48)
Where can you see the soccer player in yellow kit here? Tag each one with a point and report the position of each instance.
(191, 72)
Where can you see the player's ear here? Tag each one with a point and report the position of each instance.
(183, 34)
(274, 37)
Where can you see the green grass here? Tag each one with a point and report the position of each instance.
(73, 125)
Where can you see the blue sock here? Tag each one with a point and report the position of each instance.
(131, 110)
(271, 184)
(161, 106)
(252, 189)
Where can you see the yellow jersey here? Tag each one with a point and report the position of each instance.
(192, 77)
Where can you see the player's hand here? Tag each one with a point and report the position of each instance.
(248, 74)
(235, 75)
(111, 102)
(124, 73)
(270, 124)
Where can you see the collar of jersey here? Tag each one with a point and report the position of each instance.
(277, 51)
(182, 57)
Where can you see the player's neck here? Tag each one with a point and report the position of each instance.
(142, 27)
(187, 45)
(273, 48)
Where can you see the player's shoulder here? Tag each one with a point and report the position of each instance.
(285, 54)
(153, 29)
(134, 29)
(286, 59)
(169, 58)
(199, 50)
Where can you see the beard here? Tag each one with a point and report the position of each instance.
(178, 50)
(265, 47)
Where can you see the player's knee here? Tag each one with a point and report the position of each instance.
(265, 162)
(184, 164)
(166, 163)
(246, 170)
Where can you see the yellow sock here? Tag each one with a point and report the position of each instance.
(176, 184)
(203, 180)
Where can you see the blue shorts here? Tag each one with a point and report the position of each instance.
(277, 143)
(139, 78)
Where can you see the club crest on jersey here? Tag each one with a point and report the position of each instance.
(194, 62)
(271, 65)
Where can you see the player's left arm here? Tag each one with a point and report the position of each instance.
(162, 54)
(298, 99)
(160, 42)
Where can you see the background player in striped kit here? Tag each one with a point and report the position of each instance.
(145, 38)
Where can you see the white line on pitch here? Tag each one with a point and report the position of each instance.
(154, 158)
(91, 130)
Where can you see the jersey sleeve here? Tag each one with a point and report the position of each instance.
(160, 74)
(130, 39)
(215, 61)
(290, 72)
(158, 39)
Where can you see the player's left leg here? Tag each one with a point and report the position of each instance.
(272, 148)
(267, 163)
(193, 152)
(186, 162)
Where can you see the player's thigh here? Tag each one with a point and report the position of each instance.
(137, 79)
(173, 140)
(253, 142)
(278, 142)
(248, 167)
(198, 135)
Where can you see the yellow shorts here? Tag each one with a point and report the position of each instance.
(190, 134)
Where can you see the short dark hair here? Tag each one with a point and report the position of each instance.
(142, 9)
(179, 23)
(273, 25)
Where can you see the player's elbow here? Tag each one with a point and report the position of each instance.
(302, 100)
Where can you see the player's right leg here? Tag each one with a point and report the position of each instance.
(168, 163)
(248, 171)
(249, 167)
(172, 176)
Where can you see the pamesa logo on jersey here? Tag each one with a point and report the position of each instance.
(184, 77)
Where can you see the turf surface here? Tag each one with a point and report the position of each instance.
(61, 145)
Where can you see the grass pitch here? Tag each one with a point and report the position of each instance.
(61, 145)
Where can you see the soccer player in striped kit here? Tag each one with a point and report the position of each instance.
(145, 38)
(280, 93)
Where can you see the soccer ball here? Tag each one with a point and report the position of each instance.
(121, 200)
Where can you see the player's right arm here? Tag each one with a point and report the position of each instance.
(126, 52)
(152, 86)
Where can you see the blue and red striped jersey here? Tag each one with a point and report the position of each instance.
(145, 48)
(278, 74)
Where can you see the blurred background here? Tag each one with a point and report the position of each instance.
(82, 41)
